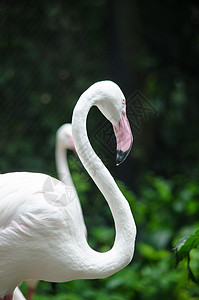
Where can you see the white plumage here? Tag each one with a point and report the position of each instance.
(64, 142)
(41, 234)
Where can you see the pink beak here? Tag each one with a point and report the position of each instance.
(72, 145)
(124, 138)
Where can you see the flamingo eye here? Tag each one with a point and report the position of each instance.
(123, 101)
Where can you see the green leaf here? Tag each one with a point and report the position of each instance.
(185, 245)
(181, 242)
(197, 232)
(190, 273)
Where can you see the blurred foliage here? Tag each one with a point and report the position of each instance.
(51, 51)
(184, 251)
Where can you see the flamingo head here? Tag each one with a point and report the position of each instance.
(65, 138)
(111, 102)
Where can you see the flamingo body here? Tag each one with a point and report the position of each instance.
(41, 236)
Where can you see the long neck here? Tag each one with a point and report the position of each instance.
(62, 165)
(65, 176)
(104, 264)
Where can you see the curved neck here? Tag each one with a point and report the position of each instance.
(104, 264)
(62, 165)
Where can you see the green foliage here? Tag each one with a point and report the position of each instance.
(183, 251)
(162, 215)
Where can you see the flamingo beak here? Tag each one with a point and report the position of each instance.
(72, 145)
(124, 138)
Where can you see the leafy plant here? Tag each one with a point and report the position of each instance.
(183, 252)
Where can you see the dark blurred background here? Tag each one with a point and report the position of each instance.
(51, 52)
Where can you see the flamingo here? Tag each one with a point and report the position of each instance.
(40, 232)
(64, 142)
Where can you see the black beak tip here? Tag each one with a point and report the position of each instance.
(121, 156)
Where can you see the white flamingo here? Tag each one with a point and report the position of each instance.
(64, 142)
(41, 236)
